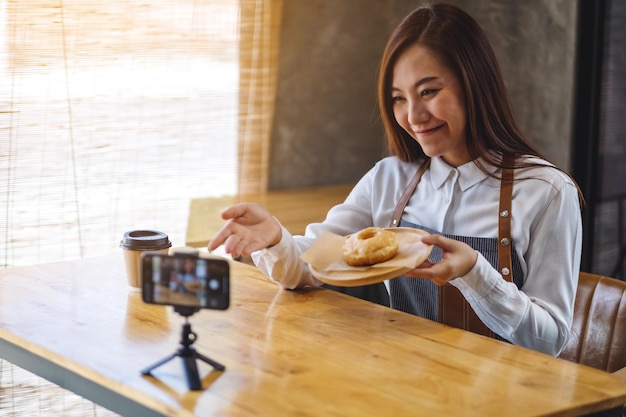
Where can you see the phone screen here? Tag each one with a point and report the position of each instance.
(185, 281)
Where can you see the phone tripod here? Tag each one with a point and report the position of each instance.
(187, 353)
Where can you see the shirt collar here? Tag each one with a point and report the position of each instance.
(468, 174)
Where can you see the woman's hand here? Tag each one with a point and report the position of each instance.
(249, 227)
(458, 259)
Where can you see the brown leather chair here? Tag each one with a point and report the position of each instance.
(598, 334)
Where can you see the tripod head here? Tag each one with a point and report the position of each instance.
(186, 311)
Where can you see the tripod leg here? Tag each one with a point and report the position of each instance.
(211, 362)
(149, 369)
(191, 370)
(188, 355)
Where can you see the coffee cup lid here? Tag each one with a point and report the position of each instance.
(145, 240)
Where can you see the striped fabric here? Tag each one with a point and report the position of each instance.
(419, 296)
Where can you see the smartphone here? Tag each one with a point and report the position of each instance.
(185, 280)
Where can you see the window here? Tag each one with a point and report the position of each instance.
(113, 115)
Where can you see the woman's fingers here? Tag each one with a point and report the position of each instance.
(457, 260)
(439, 240)
(246, 213)
(233, 212)
(248, 227)
(242, 244)
(438, 272)
(221, 236)
(235, 216)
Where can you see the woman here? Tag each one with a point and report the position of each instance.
(449, 127)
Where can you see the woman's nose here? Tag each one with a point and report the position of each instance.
(417, 112)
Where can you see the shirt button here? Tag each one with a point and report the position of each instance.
(446, 200)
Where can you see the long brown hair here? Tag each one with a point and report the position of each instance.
(460, 43)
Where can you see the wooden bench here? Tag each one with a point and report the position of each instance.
(295, 208)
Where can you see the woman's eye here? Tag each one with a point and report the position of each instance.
(397, 99)
(428, 92)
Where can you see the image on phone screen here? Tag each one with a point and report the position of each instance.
(187, 281)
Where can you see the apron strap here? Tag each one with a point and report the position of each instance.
(408, 192)
(504, 221)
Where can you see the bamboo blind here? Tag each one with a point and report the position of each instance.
(113, 115)
(258, 60)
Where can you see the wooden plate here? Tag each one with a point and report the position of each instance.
(411, 253)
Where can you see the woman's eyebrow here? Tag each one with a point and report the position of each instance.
(417, 84)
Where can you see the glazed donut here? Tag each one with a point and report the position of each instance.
(370, 246)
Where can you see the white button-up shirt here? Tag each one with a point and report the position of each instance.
(546, 230)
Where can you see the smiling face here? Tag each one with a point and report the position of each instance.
(428, 103)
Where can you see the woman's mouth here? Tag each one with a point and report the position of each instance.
(427, 132)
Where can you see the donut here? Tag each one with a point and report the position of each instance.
(370, 246)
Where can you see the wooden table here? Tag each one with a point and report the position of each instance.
(287, 353)
(295, 208)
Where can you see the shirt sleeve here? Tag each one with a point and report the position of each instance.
(540, 314)
(282, 264)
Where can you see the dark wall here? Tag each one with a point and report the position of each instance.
(606, 195)
(326, 128)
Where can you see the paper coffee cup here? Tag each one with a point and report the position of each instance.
(136, 242)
